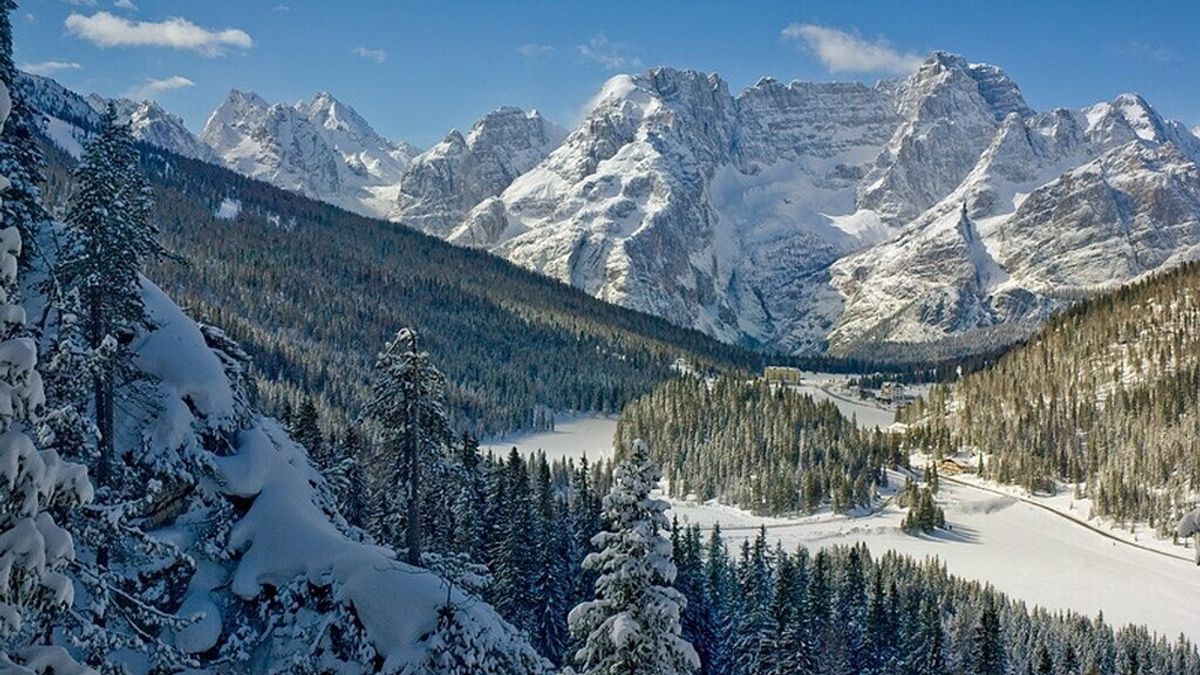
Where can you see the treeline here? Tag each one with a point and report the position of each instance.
(770, 450)
(838, 610)
(312, 292)
(1104, 399)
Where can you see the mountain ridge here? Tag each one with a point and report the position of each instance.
(765, 218)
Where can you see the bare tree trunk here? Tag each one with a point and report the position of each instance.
(102, 391)
(413, 526)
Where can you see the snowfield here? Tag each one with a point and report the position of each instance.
(575, 437)
(1023, 546)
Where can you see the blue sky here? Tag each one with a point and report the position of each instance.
(416, 70)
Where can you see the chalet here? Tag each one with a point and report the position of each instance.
(952, 467)
(783, 375)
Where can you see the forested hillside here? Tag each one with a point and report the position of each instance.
(1104, 398)
(766, 449)
(312, 292)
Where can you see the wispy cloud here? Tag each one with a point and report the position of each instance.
(49, 67)
(125, 4)
(844, 52)
(283, 8)
(376, 55)
(107, 30)
(532, 50)
(1140, 50)
(611, 55)
(151, 87)
(81, 3)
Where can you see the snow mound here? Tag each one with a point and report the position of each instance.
(284, 536)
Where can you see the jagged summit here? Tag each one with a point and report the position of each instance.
(744, 214)
(321, 148)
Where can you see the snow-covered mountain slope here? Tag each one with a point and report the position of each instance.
(151, 124)
(675, 198)
(320, 148)
(246, 504)
(65, 115)
(1066, 203)
(815, 216)
(441, 184)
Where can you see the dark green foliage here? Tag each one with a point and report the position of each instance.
(21, 160)
(312, 292)
(769, 450)
(924, 515)
(1105, 399)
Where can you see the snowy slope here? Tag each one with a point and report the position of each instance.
(197, 422)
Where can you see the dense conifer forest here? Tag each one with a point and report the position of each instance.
(1103, 399)
(312, 292)
(764, 448)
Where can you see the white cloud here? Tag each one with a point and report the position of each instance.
(1141, 50)
(125, 4)
(107, 30)
(152, 86)
(376, 55)
(81, 3)
(843, 52)
(49, 67)
(532, 50)
(611, 55)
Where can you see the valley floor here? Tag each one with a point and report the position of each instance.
(1042, 550)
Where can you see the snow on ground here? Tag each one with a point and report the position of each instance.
(228, 209)
(573, 437)
(1027, 549)
(828, 386)
(1021, 549)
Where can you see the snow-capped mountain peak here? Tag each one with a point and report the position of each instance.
(322, 148)
(441, 184)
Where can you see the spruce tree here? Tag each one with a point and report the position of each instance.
(36, 487)
(407, 409)
(632, 625)
(21, 161)
(109, 238)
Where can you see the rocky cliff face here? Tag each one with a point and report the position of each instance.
(835, 216)
(320, 148)
(441, 184)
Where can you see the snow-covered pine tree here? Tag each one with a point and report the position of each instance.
(109, 238)
(632, 626)
(20, 158)
(408, 412)
(304, 427)
(36, 488)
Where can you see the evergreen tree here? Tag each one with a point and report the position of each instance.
(719, 592)
(988, 647)
(407, 409)
(110, 237)
(932, 658)
(36, 486)
(21, 161)
(632, 626)
(512, 561)
(305, 429)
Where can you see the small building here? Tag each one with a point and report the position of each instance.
(783, 375)
(952, 467)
